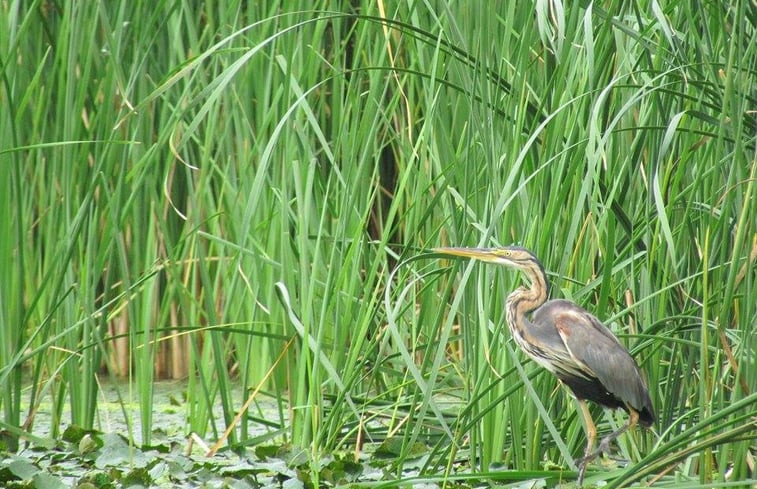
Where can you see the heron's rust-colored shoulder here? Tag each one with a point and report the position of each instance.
(575, 320)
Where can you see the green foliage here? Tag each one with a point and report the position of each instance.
(249, 188)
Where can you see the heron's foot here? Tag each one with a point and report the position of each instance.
(584, 461)
(602, 449)
(618, 459)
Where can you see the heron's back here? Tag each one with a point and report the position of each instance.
(589, 359)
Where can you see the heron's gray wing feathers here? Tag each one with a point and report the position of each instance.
(597, 351)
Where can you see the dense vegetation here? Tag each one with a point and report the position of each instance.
(240, 195)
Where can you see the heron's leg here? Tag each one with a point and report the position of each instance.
(591, 437)
(604, 445)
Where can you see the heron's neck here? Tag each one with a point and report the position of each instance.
(524, 300)
(519, 303)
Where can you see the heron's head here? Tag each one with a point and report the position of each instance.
(512, 256)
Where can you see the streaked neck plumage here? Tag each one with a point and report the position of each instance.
(524, 300)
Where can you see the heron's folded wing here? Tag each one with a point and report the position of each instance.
(594, 347)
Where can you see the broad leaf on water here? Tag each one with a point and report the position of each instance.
(137, 477)
(43, 480)
(341, 471)
(115, 452)
(22, 469)
(74, 433)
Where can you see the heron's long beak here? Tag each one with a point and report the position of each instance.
(483, 254)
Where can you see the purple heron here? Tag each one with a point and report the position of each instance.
(572, 344)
